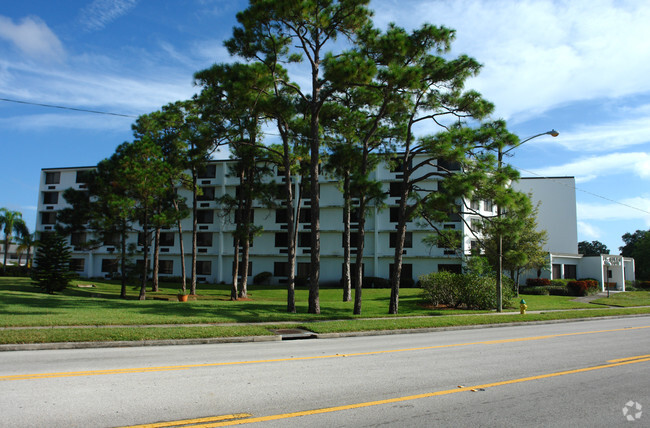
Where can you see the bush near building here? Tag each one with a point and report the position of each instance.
(470, 291)
(582, 287)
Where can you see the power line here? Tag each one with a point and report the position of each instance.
(584, 191)
(67, 108)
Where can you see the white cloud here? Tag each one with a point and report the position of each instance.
(85, 87)
(637, 208)
(33, 37)
(540, 54)
(100, 13)
(589, 168)
(606, 137)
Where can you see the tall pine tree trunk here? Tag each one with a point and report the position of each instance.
(123, 260)
(347, 278)
(156, 260)
(194, 231)
(235, 270)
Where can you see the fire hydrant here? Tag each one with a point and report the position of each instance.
(522, 307)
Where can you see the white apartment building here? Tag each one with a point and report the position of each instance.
(269, 250)
(557, 215)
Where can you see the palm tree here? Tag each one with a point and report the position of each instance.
(10, 221)
(26, 242)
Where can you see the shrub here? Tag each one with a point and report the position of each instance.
(262, 278)
(538, 282)
(557, 290)
(582, 288)
(440, 288)
(375, 282)
(469, 290)
(537, 291)
(15, 270)
(642, 285)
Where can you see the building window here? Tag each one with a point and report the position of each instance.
(239, 217)
(48, 218)
(240, 268)
(304, 239)
(453, 268)
(83, 176)
(77, 238)
(353, 268)
(203, 267)
(475, 224)
(205, 216)
(77, 265)
(141, 239)
(395, 189)
(281, 269)
(204, 239)
(354, 240)
(166, 239)
(408, 240)
(488, 205)
(394, 214)
(281, 239)
(407, 270)
(398, 165)
(447, 165)
(210, 171)
(475, 205)
(52, 177)
(304, 270)
(166, 267)
(207, 194)
(281, 216)
(570, 271)
(109, 265)
(304, 216)
(112, 239)
(50, 198)
(454, 216)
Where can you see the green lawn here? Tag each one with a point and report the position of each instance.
(626, 299)
(22, 304)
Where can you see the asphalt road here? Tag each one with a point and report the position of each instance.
(567, 374)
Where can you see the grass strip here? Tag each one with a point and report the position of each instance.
(627, 299)
(126, 334)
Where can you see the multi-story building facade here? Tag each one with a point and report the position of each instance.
(268, 252)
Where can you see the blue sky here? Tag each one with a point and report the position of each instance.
(578, 66)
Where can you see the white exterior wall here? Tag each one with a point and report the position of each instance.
(557, 210)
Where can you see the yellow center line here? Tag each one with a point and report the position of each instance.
(316, 357)
(416, 397)
(194, 421)
(629, 358)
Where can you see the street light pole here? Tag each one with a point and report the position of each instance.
(552, 133)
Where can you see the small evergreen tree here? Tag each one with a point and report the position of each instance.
(52, 272)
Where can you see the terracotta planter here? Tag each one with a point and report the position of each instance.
(182, 297)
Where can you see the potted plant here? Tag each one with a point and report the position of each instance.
(182, 295)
